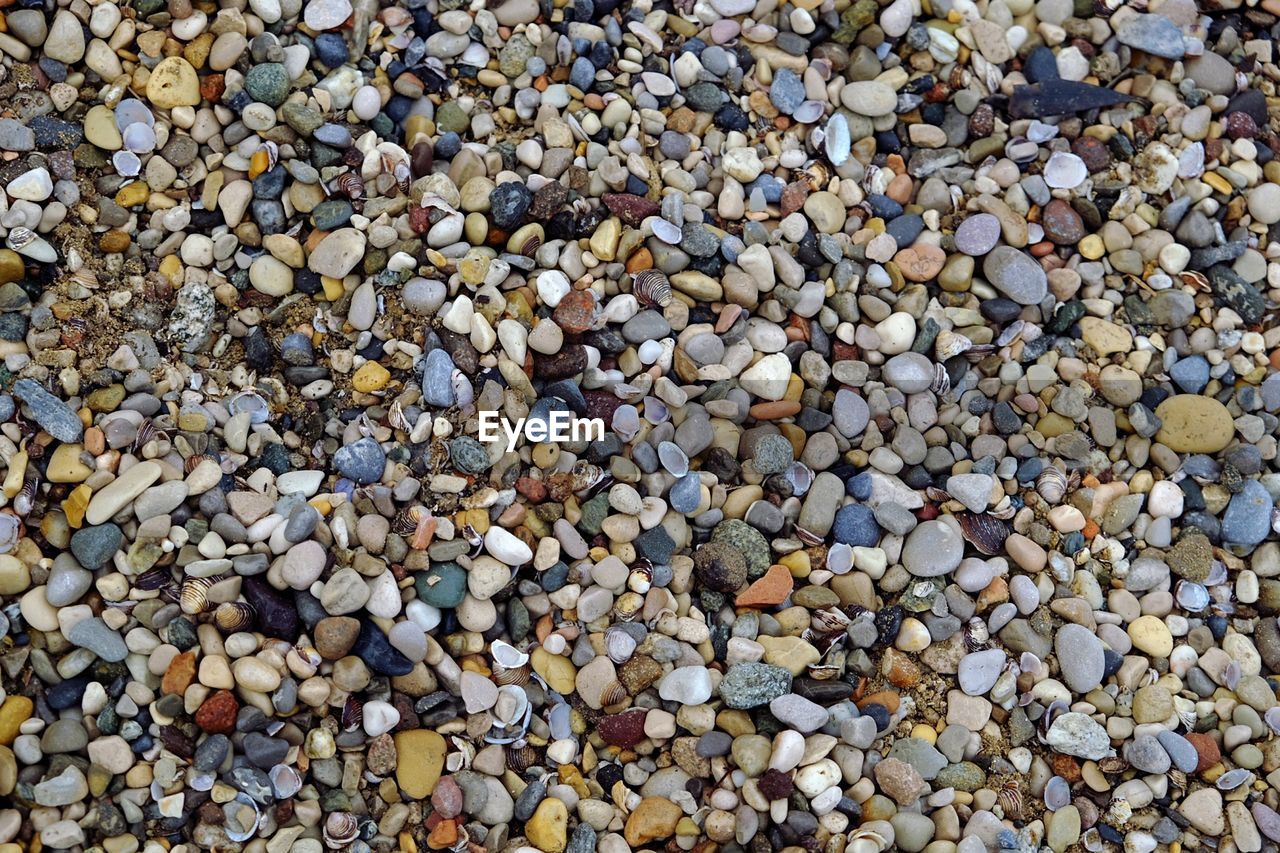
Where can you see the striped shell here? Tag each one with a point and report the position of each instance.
(941, 381)
(406, 521)
(340, 829)
(350, 185)
(521, 758)
(511, 675)
(1052, 484)
(233, 616)
(984, 531)
(614, 693)
(652, 288)
(1010, 799)
(195, 595)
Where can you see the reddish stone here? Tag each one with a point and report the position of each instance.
(793, 197)
(776, 785)
(576, 312)
(212, 86)
(1206, 748)
(447, 798)
(624, 730)
(771, 589)
(631, 209)
(419, 219)
(1061, 223)
(179, 675)
(218, 713)
(534, 490)
(570, 361)
(1093, 152)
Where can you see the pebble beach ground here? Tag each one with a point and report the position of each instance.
(935, 348)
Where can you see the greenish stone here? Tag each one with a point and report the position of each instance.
(748, 540)
(301, 118)
(513, 58)
(443, 585)
(268, 83)
(594, 513)
(965, 776)
(854, 20)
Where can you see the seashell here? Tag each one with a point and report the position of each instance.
(941, 381)
(11, 529)
(840, 559)
(984, 531)
(126, 163)
(1057, 793)
(340, 829)
(1028, 662)
(619, 645)
(1113, 764)
(512, 705)
(285, 781)
(800, 476)
(252, 403)
(507, 655)
(949, 344)
(147, 432)
(527, 239)
(1233, 779)
(350, 185)
(560, 721)
(628, 606)
(673, 458)
(194, 598)
(139, 138)
(1231, 675)
(976, 634)
(863, 840)
(352, 714)
(667, 232)
(1011, 333)
(1091, 840)
(829, 621)
(652, 288)
(153, 579)
(1191, 596)
(1217, 574)
(614, 693)
(521, 758)
(1052, 484)
(824, 672)
(1010, 799)
(937, 495)
(233, 616)
(133, 111)
(516, 675)
(816, 173)
(1273, 719)
(807, 537)
(241, 818)
(809, 112)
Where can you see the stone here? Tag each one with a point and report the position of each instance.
(1190, 423)
(1016, 275)
(422, 759)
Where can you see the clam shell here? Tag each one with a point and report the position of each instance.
(1057, 793)
(241, 818)
(285, 781)
(252, 403)
(626, 421)
(194, 598)
(560, 721)
(521, 758)
(652, 288)
(126, 163)
(673, 458)
(132, 111)
(518, 675)
(1052, 484)
(139, 138)
(800, 476)
(340, 829)
(1273, 719)
(1191, 596)
(233, 616)
(983, 531)
(512, 704)
(809, 111)
(1234, 779)
(840, 559)
(665, 231)
(507, 655)
(614, 693)
(619, 645)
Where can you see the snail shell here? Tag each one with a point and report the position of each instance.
(950, 344)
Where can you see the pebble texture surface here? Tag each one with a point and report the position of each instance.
(933, 350)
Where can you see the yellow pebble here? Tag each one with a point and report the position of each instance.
(172, 267)
(924, 732)
(333, 289)
(76, 504)
(1219, 183)
(14, 711)
(133, 194)
(1092, 247)
(370, 377)
(797, 562)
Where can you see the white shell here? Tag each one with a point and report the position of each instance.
(285, 781)
(234, 830)
(673, 458)
(507, 655)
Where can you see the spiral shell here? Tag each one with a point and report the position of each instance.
(233, 616)
(406, 520)
(949, 344)
(652, 288)
(340, 829)
(1052, 484)
(941, 381)
(350, 185)
(194, 598)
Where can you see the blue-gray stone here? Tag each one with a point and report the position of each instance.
(1181, 752)
(1190, 374)
(856, 525)
(437, 379)
(787, 91)
(361, 461)
(54, 416)
(1248, 517)
(94, 546)
(95, 635)
(686, 494)
(749, 685)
